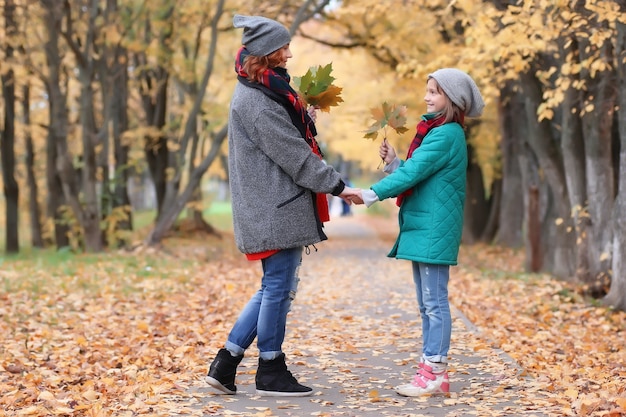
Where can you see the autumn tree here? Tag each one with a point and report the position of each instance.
(83, 170)
(114, 160)
(182, 150)
(616, 295)
(565, 75)
(383, 30)
(96, 60)
(55, 79)
(554, 81)
(7, 136)
(80, 32)
(567, 81)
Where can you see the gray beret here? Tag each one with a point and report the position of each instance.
(461, 89)
(261, 36)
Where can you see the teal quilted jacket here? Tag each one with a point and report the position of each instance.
(431, 218)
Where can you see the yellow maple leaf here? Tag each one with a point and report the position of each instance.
(374, 397)
(329, 98)
(571, 393)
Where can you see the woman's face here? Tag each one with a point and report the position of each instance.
(285, 54)
(435, 101)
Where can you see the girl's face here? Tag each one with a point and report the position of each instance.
(435, 101)
(285, 54)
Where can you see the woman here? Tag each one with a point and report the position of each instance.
(430, 190)
(278, 187)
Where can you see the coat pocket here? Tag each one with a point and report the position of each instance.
(295, 197)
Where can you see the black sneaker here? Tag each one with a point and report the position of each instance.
(222, 372)
(274, 380)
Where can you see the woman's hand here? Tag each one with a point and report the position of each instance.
(312, 110)
(352, 195)
(386, 152)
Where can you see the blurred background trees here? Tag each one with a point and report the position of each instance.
(112, 107)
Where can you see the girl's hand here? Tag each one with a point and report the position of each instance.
(386, 152)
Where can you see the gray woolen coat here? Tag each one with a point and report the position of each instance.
(273, 176)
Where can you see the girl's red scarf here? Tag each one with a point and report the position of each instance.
(277, 80)
(423, 127)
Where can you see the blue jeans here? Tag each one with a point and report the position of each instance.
(431, 283)
(265, 315)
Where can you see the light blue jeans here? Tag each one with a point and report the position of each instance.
(265, 315)
(431, 283)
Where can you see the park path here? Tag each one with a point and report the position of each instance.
(354, 333)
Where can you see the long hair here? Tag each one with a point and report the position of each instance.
(451, 112)
(255, 66)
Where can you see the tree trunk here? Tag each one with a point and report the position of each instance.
(534, 230)
(573, 149)
(153, 89)
(167, 220)
(513, 131)
(36, 234)
(477, 207)
(155, 148)
(596, 127)
(174, 201)
(558, 247)
(7, 148)
(195, 211)
(491, 226)
(119, 114)
(58, 120)
(56, 198)
(112, 69)
(89, 213)
(529, 168)
(84, 201)
(616, 296)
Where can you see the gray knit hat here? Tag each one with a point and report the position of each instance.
(261, 36)
(461, 89)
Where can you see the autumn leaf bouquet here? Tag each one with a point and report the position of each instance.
(390, 116)
(387, 115)
(317, 89)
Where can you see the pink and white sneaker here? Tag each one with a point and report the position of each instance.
(431, 379)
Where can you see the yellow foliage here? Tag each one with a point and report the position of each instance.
(331, 97)
(341, 131)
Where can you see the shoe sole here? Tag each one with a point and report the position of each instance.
(218, 385)
(425, 394)
(283, 394)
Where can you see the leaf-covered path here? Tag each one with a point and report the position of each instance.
(132, 334)
(354, 334)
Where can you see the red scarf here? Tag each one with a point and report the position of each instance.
(277, 80)
(423, 127)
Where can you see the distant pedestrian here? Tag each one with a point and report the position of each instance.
(345, 206)
(430, 190)
(278, 185)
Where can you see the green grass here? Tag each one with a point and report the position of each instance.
(49, 257)
(217, 214)
(45, 271)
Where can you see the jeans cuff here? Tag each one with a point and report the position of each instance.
(436, 358)
(268, 356)
(234, 349)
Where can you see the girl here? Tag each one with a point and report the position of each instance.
(430, 190)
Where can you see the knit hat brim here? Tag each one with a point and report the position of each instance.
(461, 89)
(261, 36)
